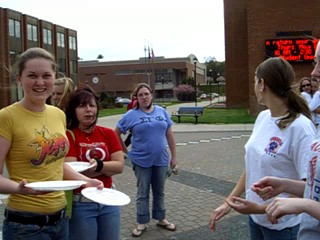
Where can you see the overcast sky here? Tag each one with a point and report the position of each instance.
(120, 29)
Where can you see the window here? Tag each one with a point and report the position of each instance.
(13, 57)
(163, 75)
(73, 66)
(60, 40)
(14, 28)
(72, 43)
(32, 32)
(62, 64)
(47, 36)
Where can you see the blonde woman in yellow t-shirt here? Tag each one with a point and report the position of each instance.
(33, 145)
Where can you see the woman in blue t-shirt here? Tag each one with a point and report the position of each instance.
(151, 130)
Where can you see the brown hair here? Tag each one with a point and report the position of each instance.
(136, 90)
(82, 96)
(33, 53)
(279, 75)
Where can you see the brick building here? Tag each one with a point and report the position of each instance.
(120, 77)
(20, 32)
(248, 24)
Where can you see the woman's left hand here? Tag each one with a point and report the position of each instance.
(174, 166)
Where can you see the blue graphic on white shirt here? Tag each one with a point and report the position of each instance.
(273, 146)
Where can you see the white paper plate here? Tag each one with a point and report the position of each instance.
(79, 166)
(106, 196)
(55, 185)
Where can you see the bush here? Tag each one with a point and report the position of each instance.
(184, 92)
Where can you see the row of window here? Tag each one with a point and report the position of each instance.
(61, 63)
(32, 34)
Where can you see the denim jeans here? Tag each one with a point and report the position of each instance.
(93, 221)
(258, 232)
(19, 231)
(155, 177)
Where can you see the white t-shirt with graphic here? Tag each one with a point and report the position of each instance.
(310, 226)
(271, 151)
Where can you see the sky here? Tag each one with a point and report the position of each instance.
(121, 29)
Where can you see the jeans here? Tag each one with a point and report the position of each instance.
(19, 231)
(93, 221)
(156, 177)
(258, 232)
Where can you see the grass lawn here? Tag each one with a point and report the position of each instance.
(220, 116)
(210, 116)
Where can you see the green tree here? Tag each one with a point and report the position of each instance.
(214, 68)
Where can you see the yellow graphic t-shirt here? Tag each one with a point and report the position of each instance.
(38, 147)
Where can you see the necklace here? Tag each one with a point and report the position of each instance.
(87, 133)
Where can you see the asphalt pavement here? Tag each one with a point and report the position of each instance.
(211, 159)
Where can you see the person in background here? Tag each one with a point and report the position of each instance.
(278, 146)
(33, 145)
(305, 88)
(62, 89)
(309, 91)
(309, 206)
(100, 146)
(151, 132)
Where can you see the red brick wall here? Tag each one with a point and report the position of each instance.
(252, 22)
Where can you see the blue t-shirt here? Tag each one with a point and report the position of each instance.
(149, 136)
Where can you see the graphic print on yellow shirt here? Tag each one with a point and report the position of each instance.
(50, 147)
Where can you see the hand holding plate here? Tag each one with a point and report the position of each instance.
(23, 189)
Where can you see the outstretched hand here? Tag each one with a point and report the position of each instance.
(92, 182)
(244, 206)
(217, 214)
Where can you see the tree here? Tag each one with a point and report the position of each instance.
(100, 56)
(184, 92)
(217, 68)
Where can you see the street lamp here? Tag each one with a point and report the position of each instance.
(218, 80)
(210, 82)
(162, 82)
(195, 60)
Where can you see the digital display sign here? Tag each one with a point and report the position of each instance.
(292, 50)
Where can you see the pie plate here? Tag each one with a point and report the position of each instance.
(55, 185)
(80, 166)
(106, 196)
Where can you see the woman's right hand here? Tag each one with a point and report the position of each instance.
(268, 187)
(217, 214)
(22, 189)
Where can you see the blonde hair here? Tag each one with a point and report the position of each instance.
(68, 88)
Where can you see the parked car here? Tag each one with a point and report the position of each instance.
(123, 101)
(214, 95)
(203, 96)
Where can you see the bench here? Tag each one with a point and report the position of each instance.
(195, 112)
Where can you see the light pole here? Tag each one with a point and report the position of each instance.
(195, 60)
(162, 82)
(218, 80)
(210, 85)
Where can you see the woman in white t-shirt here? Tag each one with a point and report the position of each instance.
(277, 147)
(305, 89)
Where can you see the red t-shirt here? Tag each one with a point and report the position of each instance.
(100, 144)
